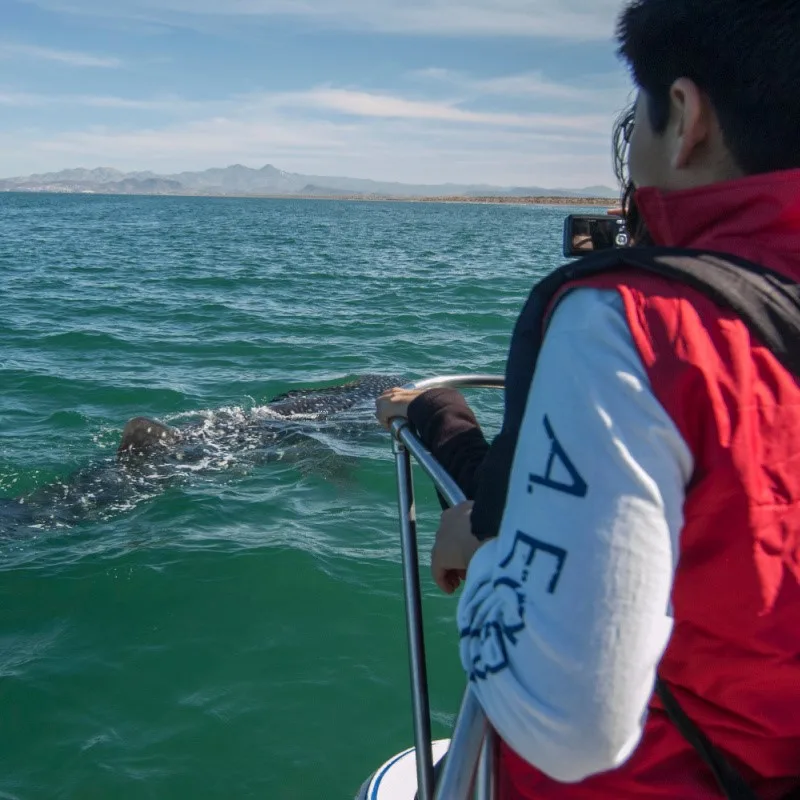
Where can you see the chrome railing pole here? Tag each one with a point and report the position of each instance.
(470, 763)
(486, 779)
(458, 774)
(460, 382)
(416, 640)
(447, 487)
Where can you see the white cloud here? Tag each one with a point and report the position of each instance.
(334, 101)
(210, 139)
(329, 131)
(366, 104)
(590, 91)
(70, 57)
(564, 19)
(345, 102)
(409, 152)
(20, 99)
(170, 104)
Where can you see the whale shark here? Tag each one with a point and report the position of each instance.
(153, 455)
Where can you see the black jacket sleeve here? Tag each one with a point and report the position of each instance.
(448, 428)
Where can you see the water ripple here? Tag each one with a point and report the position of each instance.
(237, 633)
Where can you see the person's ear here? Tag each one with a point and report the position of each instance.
(692, 116)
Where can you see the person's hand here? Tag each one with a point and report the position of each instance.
(454, 547)
(394, 403)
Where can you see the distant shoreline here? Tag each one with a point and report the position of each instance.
(605, 202)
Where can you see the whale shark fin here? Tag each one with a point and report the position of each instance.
(323, 392)
(330, 399)
(142, 435)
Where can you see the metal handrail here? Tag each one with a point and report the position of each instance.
(471, 751)
(459, 382)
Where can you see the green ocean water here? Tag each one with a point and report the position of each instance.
(239, 634)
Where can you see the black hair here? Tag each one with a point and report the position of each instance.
(743, 54)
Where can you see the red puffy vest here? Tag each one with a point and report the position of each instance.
(733, 661)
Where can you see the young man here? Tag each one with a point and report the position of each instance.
(649, 521)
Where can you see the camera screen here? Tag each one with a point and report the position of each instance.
(588, 234)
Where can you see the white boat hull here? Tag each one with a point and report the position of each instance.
(397, 778)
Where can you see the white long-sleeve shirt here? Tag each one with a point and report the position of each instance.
(565, 616)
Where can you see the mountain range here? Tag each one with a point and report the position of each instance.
(238, 180)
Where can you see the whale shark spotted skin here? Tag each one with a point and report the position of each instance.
(152, 455)
(225, 430)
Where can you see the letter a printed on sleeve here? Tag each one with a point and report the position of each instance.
(558, 456)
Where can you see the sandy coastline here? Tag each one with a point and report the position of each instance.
(603, 202)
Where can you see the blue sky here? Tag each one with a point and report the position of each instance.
(508, 92)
